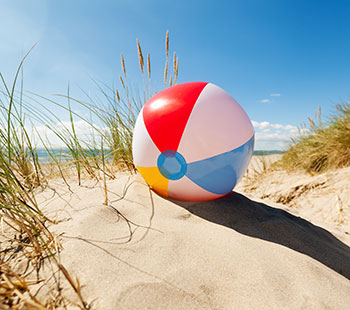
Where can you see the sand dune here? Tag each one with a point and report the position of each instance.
(322, 199)
(145, 252)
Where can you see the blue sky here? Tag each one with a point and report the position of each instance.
(279, 59)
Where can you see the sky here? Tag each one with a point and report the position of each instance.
(280, 59)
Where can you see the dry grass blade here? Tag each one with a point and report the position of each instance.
(176, 69)
(140, 55)
(122, 81)
(104, 174)
(14, 290)
(76, 286)
(123, 64)
(149, 65)
(165, 73)
(117, 94)
(167, 43)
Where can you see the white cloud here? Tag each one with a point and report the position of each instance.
(265, 100)
(270, 136)
(265, 125)
(85, 132)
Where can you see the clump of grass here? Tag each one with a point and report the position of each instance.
(324, 146)
(112, 118)
(257, 171)
(23, 225)
(24, 228)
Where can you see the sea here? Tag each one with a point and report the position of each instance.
(63, 154)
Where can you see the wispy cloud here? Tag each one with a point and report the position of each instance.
(86, 133)
(264, 100)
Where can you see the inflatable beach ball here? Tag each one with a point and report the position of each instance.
(192, 142)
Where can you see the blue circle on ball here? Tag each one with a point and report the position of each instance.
(172, 165)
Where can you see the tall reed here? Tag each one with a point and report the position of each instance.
(108, 148)
(326, 145)
(113, 116)
(25, 232)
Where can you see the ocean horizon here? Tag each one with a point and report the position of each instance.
(63, 154)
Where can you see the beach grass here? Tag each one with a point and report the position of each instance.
(112, 117)
(25, 229)
(323, 145)
(25, 233)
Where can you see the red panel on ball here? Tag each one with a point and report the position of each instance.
(166, 114)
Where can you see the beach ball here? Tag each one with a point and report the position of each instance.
(192, 142)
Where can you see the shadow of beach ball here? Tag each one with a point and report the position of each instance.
(192, 142)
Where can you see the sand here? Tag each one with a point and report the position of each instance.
(142, 251)
(321, 198)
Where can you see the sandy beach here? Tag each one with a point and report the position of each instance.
(245, 251)
(105, 106)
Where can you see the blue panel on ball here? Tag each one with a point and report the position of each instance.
(220, 174)
(172, 165)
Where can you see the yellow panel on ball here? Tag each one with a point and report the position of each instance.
(155, 179)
